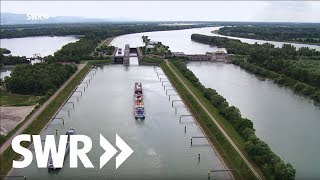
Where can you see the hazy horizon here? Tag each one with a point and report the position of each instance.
(241, 11)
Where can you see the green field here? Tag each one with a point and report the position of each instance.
(10, 99)
(151, 60)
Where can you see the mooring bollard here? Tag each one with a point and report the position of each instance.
(56, 132)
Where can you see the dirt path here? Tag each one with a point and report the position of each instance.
(218, 125)
(5, 145)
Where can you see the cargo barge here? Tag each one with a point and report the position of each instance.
(70, 132)
(138, 101)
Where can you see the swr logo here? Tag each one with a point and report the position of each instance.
(58, 154)
(37, 17)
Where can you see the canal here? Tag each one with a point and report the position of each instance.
(162, 148)
(286, 121)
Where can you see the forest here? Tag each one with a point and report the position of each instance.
(272, 166)
(306, 34)
(38, 79)
(293, 67)
(6, 59)
(82, 29)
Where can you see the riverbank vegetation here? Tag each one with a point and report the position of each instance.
(300, 34)
(154, 48)
(84, 29)
(7, 59)
(44, 117)
(225, 149)
(270, 164)
(38, 79)
(104, 50)
(295, 68)
(4, 51)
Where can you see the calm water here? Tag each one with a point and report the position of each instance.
(27, 46)
(180, 40)
(275, 43)
(288, 122)
(161, 147)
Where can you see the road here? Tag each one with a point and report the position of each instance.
(218, 125)
(5, 145)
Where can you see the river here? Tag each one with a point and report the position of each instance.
(27, 46)
(161, 147)
(180, 40)
(286, 121)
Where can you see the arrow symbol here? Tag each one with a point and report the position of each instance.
(110, 151)
(126, 151)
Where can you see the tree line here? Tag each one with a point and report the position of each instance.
(7, 59)
(271, 165)
(38, 79)
(299, 34)
(296, 68)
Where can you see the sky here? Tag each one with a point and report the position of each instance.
(258, 11)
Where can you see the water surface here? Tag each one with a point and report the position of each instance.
(27, 46)
(286, 121)
(162, 149)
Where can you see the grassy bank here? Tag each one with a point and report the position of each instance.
(99, 61)
(11, 99)
(37, 125)
(223, 146)
(151, 60)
